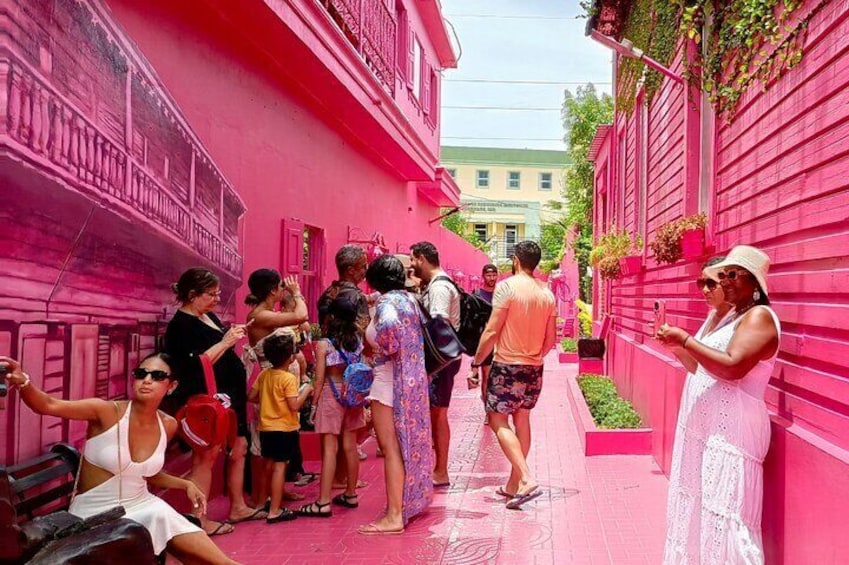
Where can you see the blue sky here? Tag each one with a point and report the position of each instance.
(524, 40)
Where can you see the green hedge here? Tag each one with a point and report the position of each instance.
(608, 409)
(569, 345)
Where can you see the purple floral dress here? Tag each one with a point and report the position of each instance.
(399, 336)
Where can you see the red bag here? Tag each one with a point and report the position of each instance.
(204, 421)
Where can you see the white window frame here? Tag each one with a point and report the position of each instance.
(542, 181)
(478, 183)
(510, 180)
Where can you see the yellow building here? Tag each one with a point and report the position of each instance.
(504, 192)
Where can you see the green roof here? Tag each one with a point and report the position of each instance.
(502, 156)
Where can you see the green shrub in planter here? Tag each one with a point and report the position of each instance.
(569, 345)
(608, 409)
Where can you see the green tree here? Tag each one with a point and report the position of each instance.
(582, 113)
(459, 224)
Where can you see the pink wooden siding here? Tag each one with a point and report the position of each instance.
(781, 182)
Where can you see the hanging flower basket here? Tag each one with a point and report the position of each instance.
(693, 243)
(631, 264)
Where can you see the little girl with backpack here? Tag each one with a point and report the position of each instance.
(339, 378)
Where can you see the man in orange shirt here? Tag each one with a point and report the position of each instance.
(522, 330)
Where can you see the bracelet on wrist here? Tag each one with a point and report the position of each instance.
(297, 296)
(476, 365)
(684, 345)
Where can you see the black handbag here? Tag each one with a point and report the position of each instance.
(442, 345)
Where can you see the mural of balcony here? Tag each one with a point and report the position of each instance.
(80, 104)
(370, 27)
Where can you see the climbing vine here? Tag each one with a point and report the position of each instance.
(748, 41)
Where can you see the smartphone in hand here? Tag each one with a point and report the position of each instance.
(659, 315)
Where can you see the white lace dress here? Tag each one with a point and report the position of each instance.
(716, 482)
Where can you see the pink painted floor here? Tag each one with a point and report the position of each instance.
(597, 510)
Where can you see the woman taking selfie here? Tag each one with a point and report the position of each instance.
(124, 453)
(716, 483)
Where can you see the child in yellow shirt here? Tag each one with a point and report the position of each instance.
(276, 391)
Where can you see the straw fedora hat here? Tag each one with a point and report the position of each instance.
(750, 258)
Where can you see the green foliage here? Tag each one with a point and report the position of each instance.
(459, 224)
(582, 113)
(652, 25)
(548, 265)
(315, 331)
(666, 244)
(608, 409)
(585, 319)
(748, 40)
(569, 345)
(552, 240)
(611, 247)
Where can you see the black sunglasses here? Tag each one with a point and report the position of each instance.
(731, 274)
(709, 283)
(157, 375)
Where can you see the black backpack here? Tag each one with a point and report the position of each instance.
(474, 314)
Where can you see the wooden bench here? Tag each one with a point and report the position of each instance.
(32, 494)
(591, 350)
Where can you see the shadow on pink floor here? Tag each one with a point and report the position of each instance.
(598, 510)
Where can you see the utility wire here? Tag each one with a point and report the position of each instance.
(515, 17)
(504, 138)
(508, 108)
(543, 82)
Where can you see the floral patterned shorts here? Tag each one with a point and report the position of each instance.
(513, 387)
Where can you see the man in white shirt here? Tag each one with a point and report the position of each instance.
(522, 330)
(439, 298)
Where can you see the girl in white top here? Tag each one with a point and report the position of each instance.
(124, 453)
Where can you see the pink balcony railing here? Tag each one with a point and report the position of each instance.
(40, 119)
(370, 27)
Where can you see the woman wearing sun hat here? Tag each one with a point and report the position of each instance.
(715, 516)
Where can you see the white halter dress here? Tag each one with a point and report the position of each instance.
(129, 487)
(716, 482)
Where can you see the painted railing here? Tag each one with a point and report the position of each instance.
(370, 27)
(40, 119)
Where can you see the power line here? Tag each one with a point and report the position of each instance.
(543, 82)
(504, 138)
(515, 17)
(506, 108)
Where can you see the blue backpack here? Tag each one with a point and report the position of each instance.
(356, 380)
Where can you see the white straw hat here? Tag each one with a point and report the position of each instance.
(750, 258)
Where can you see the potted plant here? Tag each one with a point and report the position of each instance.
(608, 254)
(567, 351)
(684, 237)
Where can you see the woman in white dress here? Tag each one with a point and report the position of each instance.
(716, 483)
(124, 453)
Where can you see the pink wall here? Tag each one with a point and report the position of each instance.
(174, 141)
(779, 183)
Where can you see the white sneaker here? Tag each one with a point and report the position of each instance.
(361, 454)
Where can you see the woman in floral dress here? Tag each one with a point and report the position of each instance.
(399, 398)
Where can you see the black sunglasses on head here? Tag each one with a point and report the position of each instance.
(157, 375)
(709, 283)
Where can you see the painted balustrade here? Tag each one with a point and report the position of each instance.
(45, 122)
(370, 27)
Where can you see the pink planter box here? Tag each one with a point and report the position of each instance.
(693, 244)
(566, 356)
(595, 366)
(604, 442)
(631, 265)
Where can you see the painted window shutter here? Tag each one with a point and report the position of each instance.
(411, 53)
(426, 93)
(292, 247)
(403, 47)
